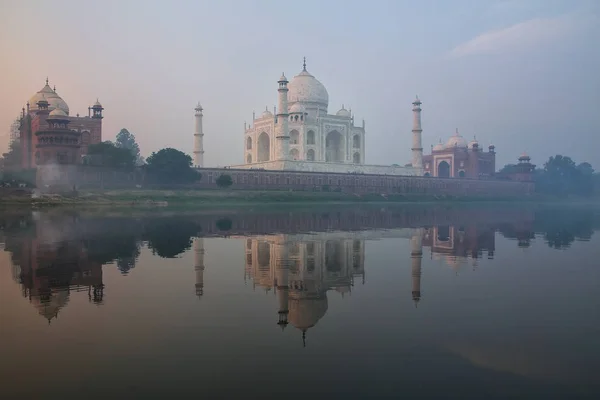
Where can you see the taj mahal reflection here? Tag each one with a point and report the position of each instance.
(301, 270)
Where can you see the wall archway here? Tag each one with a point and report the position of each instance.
(356, 142)
(264, 147)
(249, 159)
(334, 147)
(294, 154)
(310, 155)
(443, 170)
(356, 158)
(249, 143)
(294, 137)
(310, 137)
(461, 174)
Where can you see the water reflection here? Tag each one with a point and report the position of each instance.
(359, 279)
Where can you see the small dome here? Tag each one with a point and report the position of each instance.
(297, 108)
(57, 112)
(524, 157)
(343, 112)
(266, 114)
(456, 140)
(282, 78)
(473, 143)
(438, 147)
(98, 105)
(53, 99)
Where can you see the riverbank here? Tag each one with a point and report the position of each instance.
(239, 198)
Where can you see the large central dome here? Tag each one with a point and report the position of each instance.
(307, 90)
(53, 99)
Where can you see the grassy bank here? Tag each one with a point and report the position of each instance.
(234, 198)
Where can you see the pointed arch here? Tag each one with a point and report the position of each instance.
(294, 154)
(249, 143)
(334, 147)
(294, 137)
(310, 155)
(356, 158)
(249, 159)
(310, 137)
(264, 147)
(356, 141)
(443, 170)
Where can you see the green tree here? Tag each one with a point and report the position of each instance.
(107, 154)
(126, 140)
(13, 157)
(562, 176)
(224, 181)
(171, 166)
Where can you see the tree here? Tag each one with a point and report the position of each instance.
(14, 156)
(126, 140)
(107, 154)
(171, 166)
(169, 237)
(562, 176)
(224, 181)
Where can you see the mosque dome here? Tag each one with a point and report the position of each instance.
(305, 88)
(473, 143)
(57, 112)
(456, 140)
(305, 312)
(439, 146)
(297, 108)
(53, 99)
(343, 112)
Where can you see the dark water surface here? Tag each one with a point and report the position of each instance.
(435, 302)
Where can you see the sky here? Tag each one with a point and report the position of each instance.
(520, 74)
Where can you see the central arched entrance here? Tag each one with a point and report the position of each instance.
(334, 150)
(443, 170)
(264, 148)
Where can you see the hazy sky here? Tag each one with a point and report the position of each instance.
(523, 74)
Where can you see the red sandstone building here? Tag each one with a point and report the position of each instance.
(48, 134)
(459, 159)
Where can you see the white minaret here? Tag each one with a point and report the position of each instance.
(198, 139)
(199, 265)
(416, 255)
(417, 147)
(282, 135)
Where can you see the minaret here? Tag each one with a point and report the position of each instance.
(198, 139)
(199, 265)
(416, 255)
(282, 276)
(417, 147)
(281, 130)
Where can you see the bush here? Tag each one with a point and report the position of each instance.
(224, 181)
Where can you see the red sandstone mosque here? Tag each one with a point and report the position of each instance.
(48, 134)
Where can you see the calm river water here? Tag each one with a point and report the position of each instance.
(423, 302)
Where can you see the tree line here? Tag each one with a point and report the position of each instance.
(562, 176)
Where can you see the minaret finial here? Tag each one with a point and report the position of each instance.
(46, 80)
(304, 338)
(304, 64)
(54, 89)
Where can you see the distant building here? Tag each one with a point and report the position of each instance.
(460, 159)
(45, 139)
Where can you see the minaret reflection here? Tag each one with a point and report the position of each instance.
(198, 246)
(302, 269)
(416, 255)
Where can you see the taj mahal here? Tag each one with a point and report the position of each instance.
(301, 135)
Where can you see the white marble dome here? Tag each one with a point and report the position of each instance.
(266, 114)
(57, 112)
(305, 88)
(438, 147)
(53, 99)
(297, 108)
(456, 141)
(473, 143)
(343, 112)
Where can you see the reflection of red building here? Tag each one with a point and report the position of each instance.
(459, 159)
(34, 120)
(51, 270)
(457, 244)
